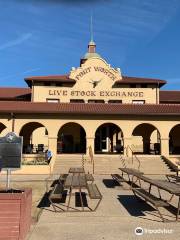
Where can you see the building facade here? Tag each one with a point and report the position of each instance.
(95, 106)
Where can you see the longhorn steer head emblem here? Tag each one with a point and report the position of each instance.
(95, 83)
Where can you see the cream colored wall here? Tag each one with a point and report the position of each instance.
(39, 137)
(105, 90)
(90, 125)
(137, 142)
(42, 93)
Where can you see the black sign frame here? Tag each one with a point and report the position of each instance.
(11, 151)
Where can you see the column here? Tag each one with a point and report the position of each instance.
(89, 142)
(165, 147)
(127, 146)
(52, 145)
(146, 145)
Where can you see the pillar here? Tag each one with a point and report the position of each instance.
(89, 142)
(165, 147)
(52, 145)
(146, 145)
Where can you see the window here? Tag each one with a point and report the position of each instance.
(46, 83)
(52, 100)
(58, 84)
(115, 101)
(138, 101)
(144, 85)
(95, 101)
(133, 85)
(76, 101)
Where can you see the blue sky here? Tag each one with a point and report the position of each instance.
(48, 37)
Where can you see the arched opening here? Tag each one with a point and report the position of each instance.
(146, 139)
(108, 139)
(174, 140)
(35, 138)
(2, 128)
(71, 139)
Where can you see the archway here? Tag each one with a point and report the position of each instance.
(146, 139)
(2, 128)
(174, 140)
(71, 139)
(35, 137)
(108, 139)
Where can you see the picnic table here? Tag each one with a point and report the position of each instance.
(130, 172)
(76, 170)
(165, 185)
(76, 181)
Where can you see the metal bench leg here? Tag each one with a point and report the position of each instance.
(94, 209)
(70, 193)
(170, 198)
(53, 205)
(159, 194)
(150, 188)
(177, 216)
(97, 204)
(160, 214)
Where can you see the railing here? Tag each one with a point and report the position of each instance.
(122, 160)
(173, 166)
(83, 159)
(134, 156)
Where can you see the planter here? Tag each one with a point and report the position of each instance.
(15, 213)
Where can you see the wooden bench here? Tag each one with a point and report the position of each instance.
(56, 194)
(118, 178)
(94, 193)
(89, 177)
(173, 178)
(148, 197)
(63, 177)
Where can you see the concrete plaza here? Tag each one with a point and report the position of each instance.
(117, 217)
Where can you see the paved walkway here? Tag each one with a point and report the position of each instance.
(117, 217)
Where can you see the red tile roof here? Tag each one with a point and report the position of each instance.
(126, 79)
(88, 108)
(66, 79)
(13, 93)
(169, 96)
(53, 78)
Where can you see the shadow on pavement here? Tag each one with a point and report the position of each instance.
(133, 206)
(110, 183)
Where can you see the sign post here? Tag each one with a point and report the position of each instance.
(11, 154)
(8, 179)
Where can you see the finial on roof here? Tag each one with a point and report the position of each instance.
(91, 46)
(91, 28)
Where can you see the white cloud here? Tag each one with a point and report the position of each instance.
(19, 74)
(24, 37)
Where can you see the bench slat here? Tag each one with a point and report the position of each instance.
(56, 192)
(93, 191)
(63, 177)
(117, 177)
(150, 198)
(89, 177)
